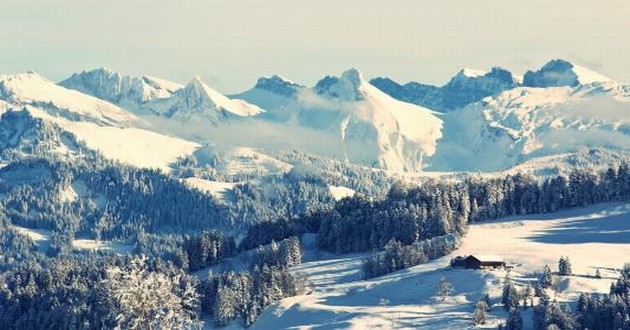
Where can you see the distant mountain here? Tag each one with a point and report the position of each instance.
(120, 89)
(35, 90)
(371, 127)
(525, 123)
(466, 87)
(198, 101)
(100, 125)
(271, 93)
(562, 73)
(493, 120)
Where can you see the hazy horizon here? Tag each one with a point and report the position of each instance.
(232, 43)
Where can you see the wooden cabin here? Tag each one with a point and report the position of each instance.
(478, 261)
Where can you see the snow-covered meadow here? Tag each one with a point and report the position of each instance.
(593, 237)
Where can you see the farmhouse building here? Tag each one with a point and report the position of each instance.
(478, 261)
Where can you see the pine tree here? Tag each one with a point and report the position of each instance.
(444, 289)
(514, 321)
(564, 266)
(488, 301)
(479, 315)
(291, 251)
(546, 280)
(527, 294)
(510, 295)
(567, 266)
(146, 299)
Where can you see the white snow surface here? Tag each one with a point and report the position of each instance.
(219, 190)
(340, 192)
(588, 76)
(41, 238)
(472, 73)
(405, 299)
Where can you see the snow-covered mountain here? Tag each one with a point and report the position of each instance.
(197, 101)
(495, 119)
(100, 125)
(271, 93)
(465, 87)
(524, 123)
(562, 73)
(35, 90)
(123, 90)
(469, 85)
(370, 127)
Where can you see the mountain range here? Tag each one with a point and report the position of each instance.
(478, 121)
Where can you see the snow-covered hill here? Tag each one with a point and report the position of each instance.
(406, 299)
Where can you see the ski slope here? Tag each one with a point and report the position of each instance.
(405, 299)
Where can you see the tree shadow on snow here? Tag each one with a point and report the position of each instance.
(613, 229)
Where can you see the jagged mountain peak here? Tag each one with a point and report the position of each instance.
(196, 92)
(198, 100)
(471, 73)
(278, 85)
(497, 74)
(128, 91)
(559, 72)
(348, 87)
(353, 76)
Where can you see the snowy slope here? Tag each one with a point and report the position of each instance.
(222, 191)
(33, 89)
(405, 299)
(524, 123)
(340, 192)
(129, 145)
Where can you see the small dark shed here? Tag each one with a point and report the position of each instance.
(478, 261)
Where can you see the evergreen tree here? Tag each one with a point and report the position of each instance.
(514, 320)
(145, 299)
(564, 266)
(510, 295)
(479, 315)
(546, 280)
(444, 289)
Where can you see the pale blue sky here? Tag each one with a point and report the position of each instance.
(230, 43)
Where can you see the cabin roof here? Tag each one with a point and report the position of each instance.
(487, 257)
